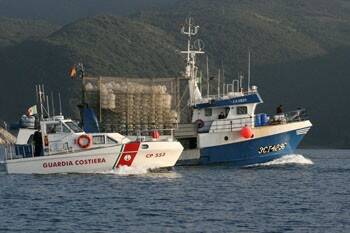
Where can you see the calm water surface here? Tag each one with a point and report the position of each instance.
(289, 195)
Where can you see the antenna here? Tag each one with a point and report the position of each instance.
(36, 95)
(207, 77)
(219, 83)
(200, 81)
(40, 92)
(248, 70)
(60, 103)
(223, 77)
(240, 77)
(52, 104)
(48, 106)
(191, 71)
(192, 31)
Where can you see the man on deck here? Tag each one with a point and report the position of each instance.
(38, 143)
(279, 109)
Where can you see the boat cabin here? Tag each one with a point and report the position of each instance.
(233, 110)
(58, 135)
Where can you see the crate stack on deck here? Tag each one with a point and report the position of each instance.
(132, 105)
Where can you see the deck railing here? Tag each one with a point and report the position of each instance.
(146, 135)
(225, 125)
(12, 151)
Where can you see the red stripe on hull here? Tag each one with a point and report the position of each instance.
(129, 154)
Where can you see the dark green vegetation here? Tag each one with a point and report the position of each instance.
(300, 52)
(13, 31)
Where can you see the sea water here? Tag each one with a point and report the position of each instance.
(306, 192)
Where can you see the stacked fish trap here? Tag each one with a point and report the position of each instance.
(129, 106)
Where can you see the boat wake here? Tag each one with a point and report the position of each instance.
(293, 159)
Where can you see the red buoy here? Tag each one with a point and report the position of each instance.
(155, 134)
(247, 132)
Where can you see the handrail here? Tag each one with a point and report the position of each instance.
(142, 135)
(224, 125)
(13, 151)
(231, 124)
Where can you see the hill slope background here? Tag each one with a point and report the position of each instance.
(300, 54)
(67, 11)
(107, 45)
(14, 31)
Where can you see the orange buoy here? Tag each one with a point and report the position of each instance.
(155, 134)
(247, 132)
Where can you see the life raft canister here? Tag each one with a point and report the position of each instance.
(155, 134)
(84, 141)
(247, 132)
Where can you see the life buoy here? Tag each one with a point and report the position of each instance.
(199, 123)
(84, 141)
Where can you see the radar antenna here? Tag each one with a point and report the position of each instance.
(191, 71)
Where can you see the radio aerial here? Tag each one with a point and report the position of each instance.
(199, 44)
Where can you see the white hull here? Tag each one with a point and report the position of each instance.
(149, 155)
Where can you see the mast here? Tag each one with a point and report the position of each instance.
(219, 83)
(248, 70)
(52, 104)
(60, 103)
(40, 91)
(207, 77)
(191, 71)
(47, 106)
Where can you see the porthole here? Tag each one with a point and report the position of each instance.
(226, 138)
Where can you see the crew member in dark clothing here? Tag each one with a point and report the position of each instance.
(221, 115)
(279, 109)
(38, 143)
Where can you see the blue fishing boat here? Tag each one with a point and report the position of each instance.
(227, 128)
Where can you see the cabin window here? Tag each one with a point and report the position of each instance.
(208, 112)
(227, 111)
(65, 129)
(98, 139)
(242, 110)
(111, 141)
(53, 128)
(73, 126)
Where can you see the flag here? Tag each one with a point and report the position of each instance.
(32, 111)
(73, 72)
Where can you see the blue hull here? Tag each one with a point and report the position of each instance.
(254, 151)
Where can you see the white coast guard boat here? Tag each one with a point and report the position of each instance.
(227, 129)
(61, 146)
(67, 149)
